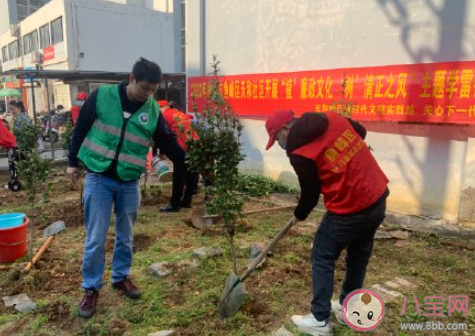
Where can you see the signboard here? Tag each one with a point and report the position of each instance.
(48, 53)
(434, 93)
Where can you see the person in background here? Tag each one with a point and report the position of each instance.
(75, 109)
(329, 156)
(112, 139)
(185, 187)
(21, 120)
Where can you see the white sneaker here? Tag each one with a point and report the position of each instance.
(310, 325)
(336, 309)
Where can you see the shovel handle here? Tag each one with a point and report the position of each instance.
(39, 253)
(268, 248)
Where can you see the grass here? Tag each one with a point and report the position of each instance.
(187, 299)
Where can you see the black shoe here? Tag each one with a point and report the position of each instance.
(170, 208)
(128, 288)
(186, 204)
(87, 307)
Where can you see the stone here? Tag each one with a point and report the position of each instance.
(160, 269)
(392, 285)
(25, 307)
(54, 229)
(386, 294)
(164, 333)
(208, 252)
(282, 332)
(257, 248)
(405, 283)
(16, 299)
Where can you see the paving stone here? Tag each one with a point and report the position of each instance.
(164, 333)
(392, 285)
(160, 269)
(25, 307)
(405, 283)
(208, 252)
(386, 294)
(16, 299)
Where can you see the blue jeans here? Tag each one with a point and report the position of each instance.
(100, 192)
(336, 232)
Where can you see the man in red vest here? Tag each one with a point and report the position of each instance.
(180, 124)
(329, 156)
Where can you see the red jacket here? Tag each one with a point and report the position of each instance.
(179, 123)
(351, 179)
(75, 113)
(7, 140)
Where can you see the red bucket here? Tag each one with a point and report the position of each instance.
(13, 242)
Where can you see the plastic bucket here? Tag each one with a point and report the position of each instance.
(13, 242)
(8, 221)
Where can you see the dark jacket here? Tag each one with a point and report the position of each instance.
(304, 130)
(163, 137)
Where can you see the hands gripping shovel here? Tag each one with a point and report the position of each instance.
(234, 292)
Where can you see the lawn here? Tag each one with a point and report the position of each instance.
(186, 300)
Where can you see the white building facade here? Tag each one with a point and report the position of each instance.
(431, 165)
(93, 35)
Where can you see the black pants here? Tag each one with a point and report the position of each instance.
(336, 232)
(185, 183)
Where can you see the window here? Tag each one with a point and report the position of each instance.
(57, 30)
(30, 42)
(4, 54)
(13, 50)
(44, 36)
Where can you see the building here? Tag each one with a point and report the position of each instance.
(91, 35)
(427, 150)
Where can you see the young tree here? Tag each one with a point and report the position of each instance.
(33, 170)
(216, 155)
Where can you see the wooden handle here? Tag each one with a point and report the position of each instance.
(268, 248)
(39, 253)
(5, 268)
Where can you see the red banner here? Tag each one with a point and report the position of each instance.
(48, 53)
(435, 93)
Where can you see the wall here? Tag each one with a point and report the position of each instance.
(111, 37)
(427, 165)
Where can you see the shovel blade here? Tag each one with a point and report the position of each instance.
(233, 297)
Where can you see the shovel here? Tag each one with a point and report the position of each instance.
(51, 231)
(199, 218)
(234, 293)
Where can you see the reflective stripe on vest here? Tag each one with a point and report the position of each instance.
(116, 131)
(110, 154)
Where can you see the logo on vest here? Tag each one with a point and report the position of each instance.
(144, 119)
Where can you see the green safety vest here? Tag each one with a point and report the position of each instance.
(100, 146)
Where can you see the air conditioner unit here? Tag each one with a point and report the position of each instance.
(37, 57)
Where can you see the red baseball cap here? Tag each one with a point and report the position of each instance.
(275, 122)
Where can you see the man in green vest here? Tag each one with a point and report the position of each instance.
(112, 138)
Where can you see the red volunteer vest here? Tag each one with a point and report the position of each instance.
(351, 179)
(179, 123)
